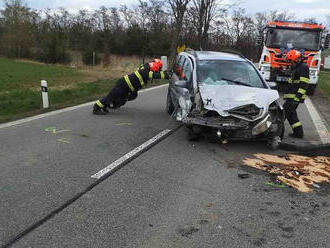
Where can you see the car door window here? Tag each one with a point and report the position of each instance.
(178, 67)
(186, 70)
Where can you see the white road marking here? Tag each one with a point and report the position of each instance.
(318, 122)
(18, 122)
(110, 168)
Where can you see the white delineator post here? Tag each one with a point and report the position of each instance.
(44, 90)
(164, 60)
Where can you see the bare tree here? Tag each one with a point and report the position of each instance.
(327, 22)
(178, 10)
(281, 16)
(202, 13)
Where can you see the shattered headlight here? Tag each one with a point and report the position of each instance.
(262, 126)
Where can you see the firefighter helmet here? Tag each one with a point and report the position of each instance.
(159, 62)
(154, 66)
(293, 55)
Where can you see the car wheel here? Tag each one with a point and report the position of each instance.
(169, 104)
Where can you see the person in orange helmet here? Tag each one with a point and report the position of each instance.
(296, 92)
(126, 88)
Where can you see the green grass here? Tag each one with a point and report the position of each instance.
(20, 94)
(324, 83)
(15, 75)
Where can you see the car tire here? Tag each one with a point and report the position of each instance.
(169, 104)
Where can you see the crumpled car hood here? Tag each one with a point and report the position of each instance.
(222, 98)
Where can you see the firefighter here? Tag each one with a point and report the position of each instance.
(296, 92)
(126, 88)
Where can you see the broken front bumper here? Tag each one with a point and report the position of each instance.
(236, 127)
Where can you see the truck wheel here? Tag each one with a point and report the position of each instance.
(311, 89)
(169, 104)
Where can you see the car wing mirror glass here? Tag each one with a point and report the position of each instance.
(181, 84)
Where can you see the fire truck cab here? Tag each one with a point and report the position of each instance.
(278, 38)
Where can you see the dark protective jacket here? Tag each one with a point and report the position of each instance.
(138, 79)
(298, 83)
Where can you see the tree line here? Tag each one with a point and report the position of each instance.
(152, 28)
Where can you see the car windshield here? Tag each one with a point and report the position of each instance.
(289, 38)
(223, 72)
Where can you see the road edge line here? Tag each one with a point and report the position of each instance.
(131, 155)
(81, 193)
(321, 128)
(55, 112)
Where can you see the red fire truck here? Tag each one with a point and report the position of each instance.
(279, 37)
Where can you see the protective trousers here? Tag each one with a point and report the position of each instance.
(118, 95)
(290, 109)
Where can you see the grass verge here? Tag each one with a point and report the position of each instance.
(20, 94)
(324, 83)
(23, 103)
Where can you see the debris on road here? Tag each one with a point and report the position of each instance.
(243, 175)
(300, 172)
(187, 232)
(279, 185)
(211, 204)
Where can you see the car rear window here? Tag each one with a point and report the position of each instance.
(217, 71)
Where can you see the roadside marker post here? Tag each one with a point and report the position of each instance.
(164, 60)
(44, 90)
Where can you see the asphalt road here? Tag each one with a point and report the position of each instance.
(176, 194)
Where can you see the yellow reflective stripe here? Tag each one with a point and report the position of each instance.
(98, 103)
(296, 81)
(289, 95)
(139, 77)
(129, 83)
(302, 91)
(296, 99)
(304, 79)
(290, 80)
(162, 75)
(297, 124)
(304, 97)
(151, 74)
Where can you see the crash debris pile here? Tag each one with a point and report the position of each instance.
(301, 172)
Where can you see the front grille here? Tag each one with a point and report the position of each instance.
(211, 113)
(250, 111)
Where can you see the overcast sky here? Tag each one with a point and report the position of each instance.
(302, 8)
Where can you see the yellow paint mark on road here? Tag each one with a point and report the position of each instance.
(64, 140)
(55, 131)
(124, 124)
(51, 129)
(300, 172)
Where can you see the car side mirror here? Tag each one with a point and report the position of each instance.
(181, 84)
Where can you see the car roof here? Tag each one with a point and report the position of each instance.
(211, 55)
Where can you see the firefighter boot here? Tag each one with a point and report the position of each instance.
(100, 109)
(298, 132)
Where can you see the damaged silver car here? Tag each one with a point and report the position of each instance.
(224, 96)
